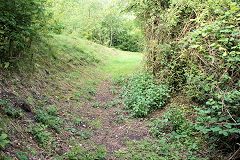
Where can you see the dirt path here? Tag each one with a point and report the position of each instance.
(113, 127)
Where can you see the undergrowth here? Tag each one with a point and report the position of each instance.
(40, 134)
(80, 153)
(142, 95)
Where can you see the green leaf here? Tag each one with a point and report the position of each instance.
(223, 132)
(216, 129)
(3, 136)
(205, 131)
(6, 65)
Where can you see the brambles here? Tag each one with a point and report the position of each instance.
(180, 132)
(194, 46)
(142, 95)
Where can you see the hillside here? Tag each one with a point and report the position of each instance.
(72, 101)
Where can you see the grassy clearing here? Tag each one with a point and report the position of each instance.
(122, 63)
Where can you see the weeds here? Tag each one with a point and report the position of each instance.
(41, 134)
(77, 120)
(85, 135)
(96, 104)
(22, 155)
(142, 95)
(3, 139)
(49, 118)
(113, 90)
(91, 91)
(175, 129)
(80, 153)
(121, 80)
(10, 111)
(106, 105)
(115, 103)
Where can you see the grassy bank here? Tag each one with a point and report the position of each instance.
(58, 87)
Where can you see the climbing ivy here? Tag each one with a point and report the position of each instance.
(194, 47)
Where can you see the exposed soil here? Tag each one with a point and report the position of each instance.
(116, 126)
(110, 125)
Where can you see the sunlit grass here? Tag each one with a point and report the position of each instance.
(122, 63)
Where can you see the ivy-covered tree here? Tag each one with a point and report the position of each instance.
(194, 45)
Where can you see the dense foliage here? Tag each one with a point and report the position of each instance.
(142, 95)
(194, 46)
(192, 50)
(97, 22)
(21, 22)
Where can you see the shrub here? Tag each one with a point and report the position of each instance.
(23, 20)
(142, 95)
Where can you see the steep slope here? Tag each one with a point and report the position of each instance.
(58, 90)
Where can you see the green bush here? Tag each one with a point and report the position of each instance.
(194, 45)
(179, 135)
(142, 95)
(23, 21)
(213, 82)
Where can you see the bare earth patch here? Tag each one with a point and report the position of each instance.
(115, 126)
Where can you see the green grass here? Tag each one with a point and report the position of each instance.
(122, 63)
(66, 69)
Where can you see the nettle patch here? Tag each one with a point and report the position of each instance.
(142, 95)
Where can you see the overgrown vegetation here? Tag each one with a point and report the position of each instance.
(49, 118)
(40, 133)
(194, 47)
(142, 95)
(22, 22)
